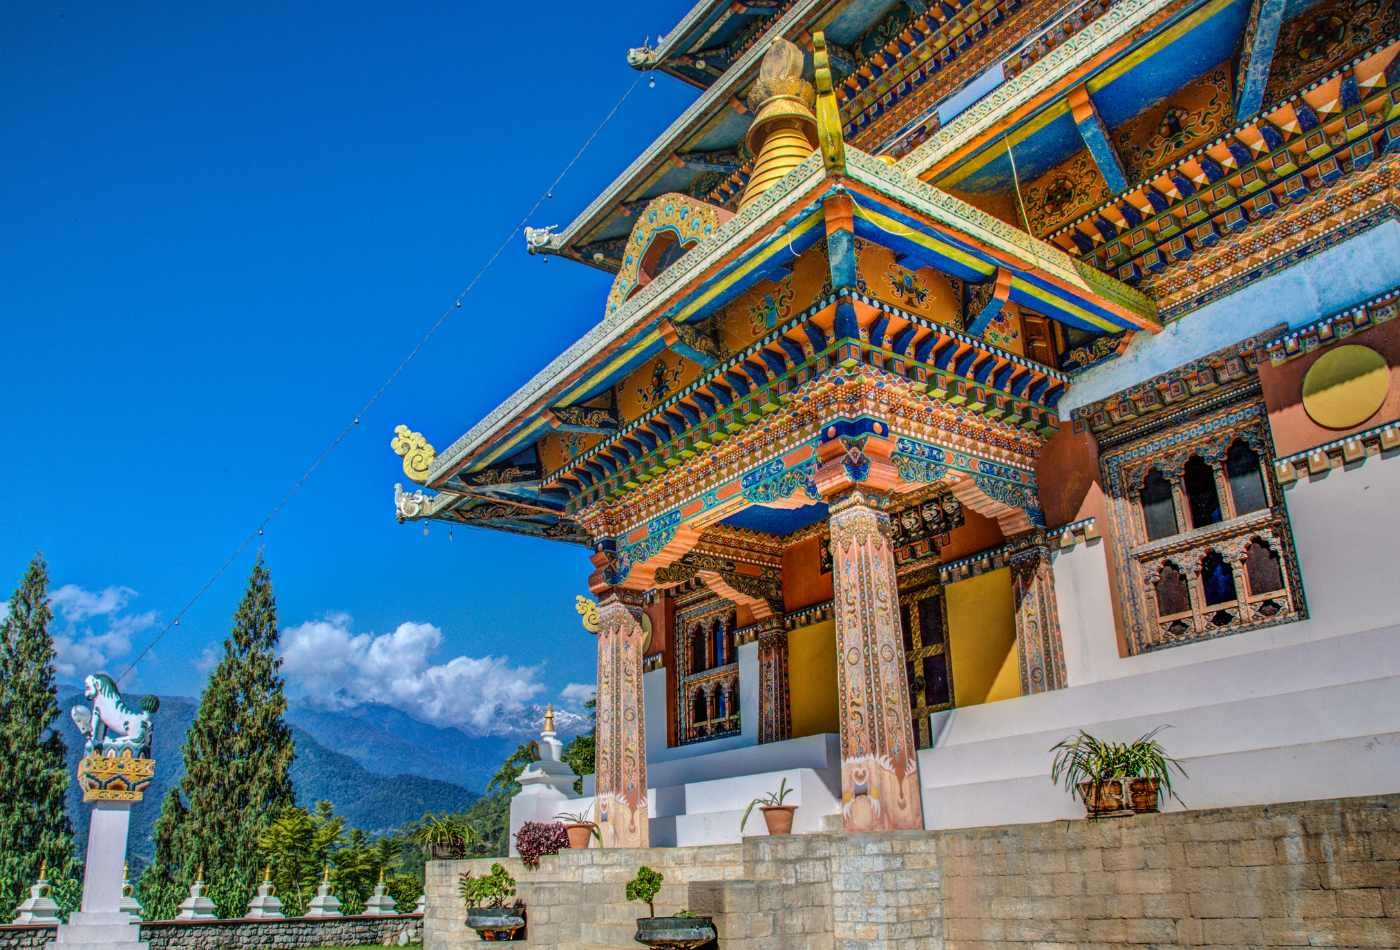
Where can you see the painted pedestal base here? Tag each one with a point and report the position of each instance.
(102, 922)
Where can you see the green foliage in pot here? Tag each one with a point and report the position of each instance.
(582, 818)
(644, 887)
(1088, 759)
(490, 890)
(771, 800)
(446, 831)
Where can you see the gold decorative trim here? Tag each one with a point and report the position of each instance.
(112, 778)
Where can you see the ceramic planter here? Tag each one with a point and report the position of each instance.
(778, 818)
(580, 833)
(496, 923)
(1144, 794)
(1104, 799)
(675, 933)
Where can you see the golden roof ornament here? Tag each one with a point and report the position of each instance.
(417, 453)
(548, 717)
(588, 613)
(829, 132)
(784, 129)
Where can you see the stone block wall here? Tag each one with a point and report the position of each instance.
(1309, 874)
(294, 933)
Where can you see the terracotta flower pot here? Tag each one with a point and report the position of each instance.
(1103, 798)
(675, 933)
(580, 833)
(778, 818)
(1144, 795)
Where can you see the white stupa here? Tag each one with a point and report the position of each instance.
(380, 903)
(197, 906)
(324, 904)
(129, 905)
(39, 907)
(265, 905)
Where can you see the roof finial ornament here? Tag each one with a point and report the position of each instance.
(417, 453)
(829, 132)
(784, 130)
(549, 719)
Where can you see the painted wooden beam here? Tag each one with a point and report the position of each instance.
(1001, 292)
(1095, 134)
(689, 342)
(594, 419)
(1257, 55)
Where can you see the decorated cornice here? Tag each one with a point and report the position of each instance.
(994, 110)
(1341, 453)
(1330, 329)
(1224, 374)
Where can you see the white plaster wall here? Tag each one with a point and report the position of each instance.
(748, 714)
(654, 696)
(1340, 277)
(1345, 526)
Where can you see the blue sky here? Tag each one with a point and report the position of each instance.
(221, 226)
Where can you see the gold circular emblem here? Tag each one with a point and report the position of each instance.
(1346, 386)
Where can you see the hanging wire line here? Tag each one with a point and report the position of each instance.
(383, 387)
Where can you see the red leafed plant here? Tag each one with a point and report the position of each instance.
(535, 839)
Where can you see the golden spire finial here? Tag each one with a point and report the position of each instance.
(43, 869)
(381, 875)
(549, 717)
(326, 877)
(267, 872)
(784, 130)
(199, 873)
(417, 453)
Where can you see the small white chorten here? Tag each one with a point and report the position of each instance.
(39, 908)
(197, 906)
(422, 906)
(550, 777)
(265, 905)
(324, 904)
(380, 903)
(129, 905)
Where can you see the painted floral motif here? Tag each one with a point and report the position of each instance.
(1004, 331)
(772, 307)
(663, 379)
(1202, 110)
(1064, 192)
(907, 285)
(1331, 32)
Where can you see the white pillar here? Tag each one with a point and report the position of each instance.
(106, 857)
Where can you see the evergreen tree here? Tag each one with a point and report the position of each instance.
(34, 824)
(237, 755)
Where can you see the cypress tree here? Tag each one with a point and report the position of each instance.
(34, 824)
(237, 755)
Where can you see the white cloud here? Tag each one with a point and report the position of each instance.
(96, 627)
(337, 668)
(4, 611)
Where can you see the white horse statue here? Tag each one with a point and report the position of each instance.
(112, 726)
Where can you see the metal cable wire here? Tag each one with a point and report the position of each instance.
(383, 387)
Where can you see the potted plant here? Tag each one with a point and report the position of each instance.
(1148, 769)
(776, 815)
(681, 932)
(487, 912)
(580, 827)
(535, 839)
(1114, 778)
(443, 836)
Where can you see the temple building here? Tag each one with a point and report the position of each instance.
(975, 372)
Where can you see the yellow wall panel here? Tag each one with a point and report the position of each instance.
(982, 639)
(812, 679)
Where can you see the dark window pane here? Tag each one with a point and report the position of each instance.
(1263, 568)
(1217, 579)
(717, 634)
(936, 691)
(916, 685)
(1201, 494)
(1246, 480)
(907, 629)
(931, 621)
(734, 699)
(697, 649)
(1172, 594)
(1158, 508)
(699, 709)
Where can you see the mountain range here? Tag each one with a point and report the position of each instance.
(380, 767)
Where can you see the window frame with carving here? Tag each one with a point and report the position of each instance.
(912, 602)
(697, 623)
(1213, 560)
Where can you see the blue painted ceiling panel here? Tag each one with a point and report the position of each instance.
(777, 521)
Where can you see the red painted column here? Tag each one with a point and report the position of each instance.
(1038, 639)
(621, 763)
(774, 703)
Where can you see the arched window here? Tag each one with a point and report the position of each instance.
(1262, 568)
(730, 648)
(722, 696)
(1217, 580)
(717, 633)
(1173, 597)
(697, 649)
(734, 698)
(699, 708)
(1158, 507)
(1246, 480)
(1201, 495)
